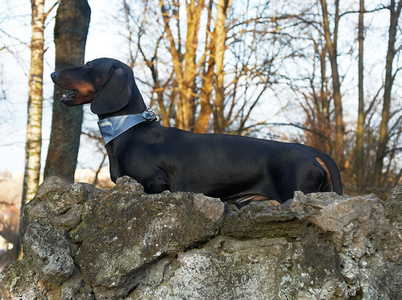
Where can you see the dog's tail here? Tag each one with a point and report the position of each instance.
(329, 177)
(331, 168)
(335, 175)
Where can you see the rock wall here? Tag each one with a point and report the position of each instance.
(84, 243)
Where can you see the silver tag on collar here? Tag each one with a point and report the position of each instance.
(149, 114)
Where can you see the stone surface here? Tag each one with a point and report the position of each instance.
(84, 243)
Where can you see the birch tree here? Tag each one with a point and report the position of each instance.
(35, 84)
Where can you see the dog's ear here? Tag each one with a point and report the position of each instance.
(113, 95)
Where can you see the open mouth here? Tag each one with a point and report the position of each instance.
(69, 99)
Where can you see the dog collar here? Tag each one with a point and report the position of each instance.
(112, 127)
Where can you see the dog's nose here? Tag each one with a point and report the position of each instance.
(54, 75)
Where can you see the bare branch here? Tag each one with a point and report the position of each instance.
(51, 8)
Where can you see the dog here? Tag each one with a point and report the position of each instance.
(236, 169)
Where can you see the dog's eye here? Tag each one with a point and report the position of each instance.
(87, 64)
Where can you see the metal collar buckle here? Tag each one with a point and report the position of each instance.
(149, 114)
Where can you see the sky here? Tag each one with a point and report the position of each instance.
(103, 41)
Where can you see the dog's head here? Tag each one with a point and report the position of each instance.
(104, 82)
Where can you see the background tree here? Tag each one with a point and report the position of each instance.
(205, 73)
(331, 39)
(183, 58)
(70, 35)
(219, 48)
(309, 30)
(35, 102)
(359, 148)
(384, 134)
(309, 81)
(33, 144)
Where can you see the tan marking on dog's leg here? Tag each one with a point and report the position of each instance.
(273, 203)
(257, 198)
(254, 198)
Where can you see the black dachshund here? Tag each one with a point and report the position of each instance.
(234, 168)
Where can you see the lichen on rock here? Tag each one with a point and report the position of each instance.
(83, 243)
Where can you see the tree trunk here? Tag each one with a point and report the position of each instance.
(70, 34)
(33, 143)
(194, 10)
(184, 65)
(395, 12)
(208, 67)
(359, 150)
(332, 52)
(35, 89)
(220, 32)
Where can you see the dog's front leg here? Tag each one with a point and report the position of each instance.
(157, 182)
